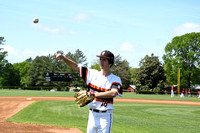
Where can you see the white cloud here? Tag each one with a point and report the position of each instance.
(186, 28)
(127, 47)
(57, 30)
(10, 50)
(16, 55)
(71, 32)
(81, 17)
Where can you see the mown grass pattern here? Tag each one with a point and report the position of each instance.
(11, 92)
(128, 117)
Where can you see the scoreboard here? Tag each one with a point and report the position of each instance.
(66, 77)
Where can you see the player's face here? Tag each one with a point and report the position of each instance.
(104, 64)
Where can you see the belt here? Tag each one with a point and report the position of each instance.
(98, 111)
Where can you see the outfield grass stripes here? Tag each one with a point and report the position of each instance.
(6, 92)
(128, 117)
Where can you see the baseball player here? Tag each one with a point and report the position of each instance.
(172, 91)
(104, 86)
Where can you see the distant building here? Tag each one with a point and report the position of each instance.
(131, 88)
(197, 87)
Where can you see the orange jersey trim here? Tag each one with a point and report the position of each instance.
(98, 88)
(103, 100)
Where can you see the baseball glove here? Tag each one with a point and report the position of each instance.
(83, 98)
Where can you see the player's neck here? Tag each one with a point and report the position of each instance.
(105, 72)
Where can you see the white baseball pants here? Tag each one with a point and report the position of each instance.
(100, 122)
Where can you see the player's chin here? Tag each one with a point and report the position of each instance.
(101, 66)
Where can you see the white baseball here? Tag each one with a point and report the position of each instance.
(35, 20)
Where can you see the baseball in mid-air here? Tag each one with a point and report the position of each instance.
(35, 20)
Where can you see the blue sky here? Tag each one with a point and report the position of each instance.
(129, 28)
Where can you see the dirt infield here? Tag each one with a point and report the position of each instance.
(11, 105)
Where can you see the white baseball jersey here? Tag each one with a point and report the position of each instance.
(99, 83)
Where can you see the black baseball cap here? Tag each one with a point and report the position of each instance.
(108, 55)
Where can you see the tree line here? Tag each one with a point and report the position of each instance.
(182, 52)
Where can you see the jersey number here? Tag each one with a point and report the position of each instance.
(104, 103)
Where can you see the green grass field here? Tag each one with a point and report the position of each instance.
(12, 92)
(128, 117)
(6, 92)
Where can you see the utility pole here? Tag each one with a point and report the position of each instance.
(178, 80)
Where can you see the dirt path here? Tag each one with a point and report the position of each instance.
(11, 105)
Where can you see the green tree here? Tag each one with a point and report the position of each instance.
(30, 60)
(3, 54)
(35, 74)
(132, 75)
(61, 67)
(96, 66)
(183, 52)
(22, 68)
(3, 61)
(150, 75)
(10, 76)
(121, 68)
(79, 58)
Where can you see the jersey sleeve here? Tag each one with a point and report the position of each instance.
(118, 87)
(87, 74)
